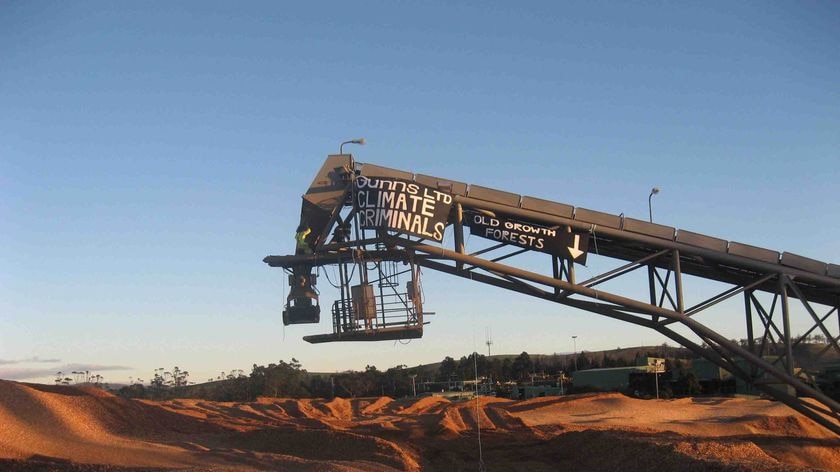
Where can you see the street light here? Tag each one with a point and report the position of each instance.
(574, 356)
(653, 192)
(359, 141)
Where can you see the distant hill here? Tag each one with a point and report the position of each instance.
(627, 355)
(806, 356)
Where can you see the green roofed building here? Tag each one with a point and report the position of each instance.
(709, 373)
(615, 378)
(707, 370)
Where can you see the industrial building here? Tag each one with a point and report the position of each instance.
(717, 380)
(616, 378)
(524, 392)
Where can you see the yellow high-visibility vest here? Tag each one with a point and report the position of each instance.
(300, 237)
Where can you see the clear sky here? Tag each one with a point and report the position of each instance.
(152, 153)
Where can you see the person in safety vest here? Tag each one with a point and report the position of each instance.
(301, 246)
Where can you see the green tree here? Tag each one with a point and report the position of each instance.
(522, 366)
(179, 377)
(507, 370)
(397, 381)
(496, 370)
(447, 368)
(158, 382)
(583, 362)
(359, 384)
(467, 366)
(278, 380)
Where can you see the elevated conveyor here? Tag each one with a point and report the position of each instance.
(363, 217)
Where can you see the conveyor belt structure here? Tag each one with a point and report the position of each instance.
(665, 253)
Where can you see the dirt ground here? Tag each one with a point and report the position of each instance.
(46, 428)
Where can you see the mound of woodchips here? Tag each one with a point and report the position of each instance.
(86, 429)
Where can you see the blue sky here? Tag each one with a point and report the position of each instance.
(152, 153)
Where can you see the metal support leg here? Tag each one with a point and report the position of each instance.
(678, 286)
(750, 335)
(748, 312)
(652, 287)
(459, 232)
(570, 271)
(786, 321)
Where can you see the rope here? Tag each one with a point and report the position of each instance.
(327, 275)
(594, 238)
(420, 284)
(353, 255)
(477, 415)
(285, 304)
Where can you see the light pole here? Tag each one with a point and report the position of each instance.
(653, 191)
(359, 141)
(574, 350)
(413, 386)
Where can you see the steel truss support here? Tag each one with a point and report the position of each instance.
(666, 261)
(767, 324)
(664, 307)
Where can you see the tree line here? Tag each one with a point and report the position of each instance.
(291, 380)
(78, 377)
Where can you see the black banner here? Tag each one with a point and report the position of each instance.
(398, 205)
(572, 246)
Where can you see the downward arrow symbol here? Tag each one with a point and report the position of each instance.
(573, 250)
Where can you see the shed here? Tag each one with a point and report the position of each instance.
(614, 378)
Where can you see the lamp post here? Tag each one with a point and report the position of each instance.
(574, 350)
(653, 191)
(359, 141)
